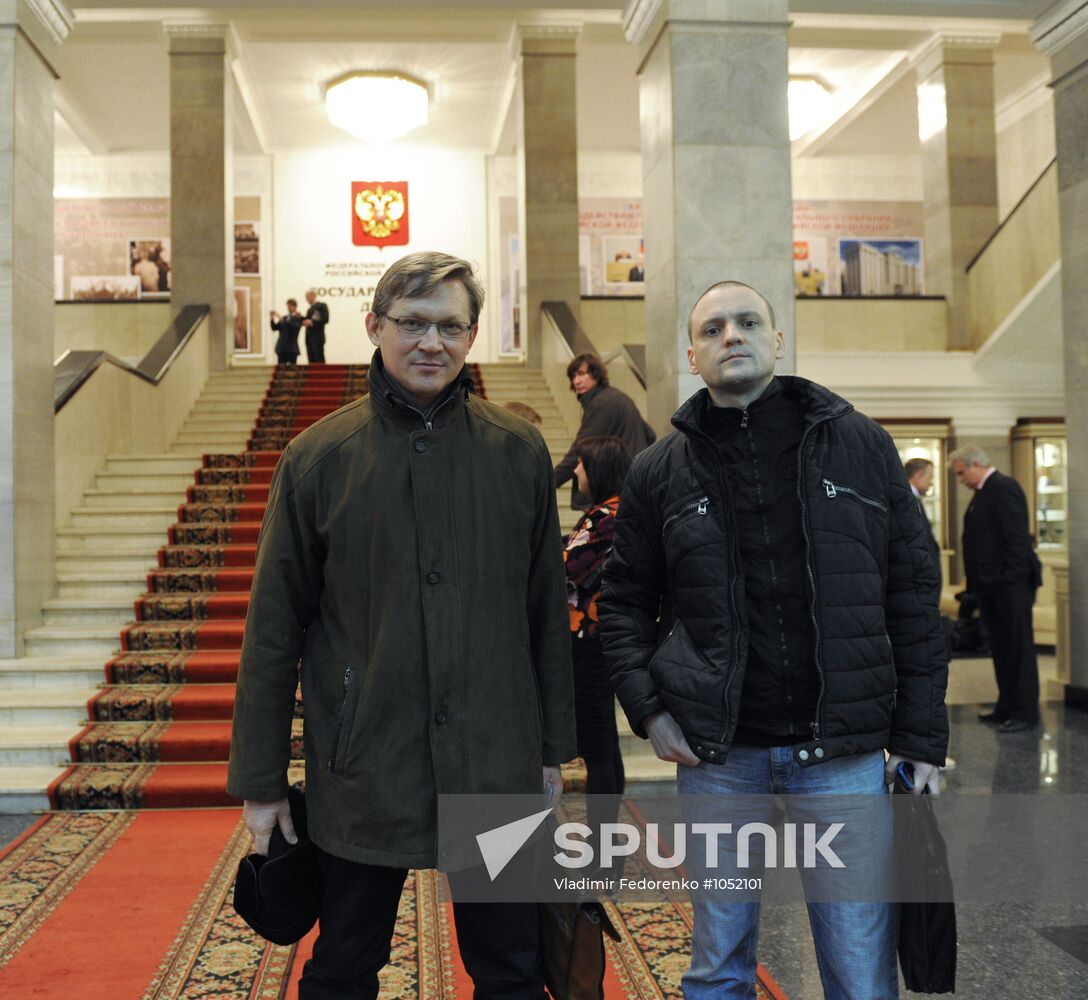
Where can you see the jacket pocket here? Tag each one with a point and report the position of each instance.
(342, 726)
(835, 490)
(698, 507)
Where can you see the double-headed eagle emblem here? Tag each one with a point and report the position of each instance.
(380, 211)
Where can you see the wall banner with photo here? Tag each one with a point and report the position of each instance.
(857, 248)
(111, 248)
(611, 248)
(118, 249)
(247, 248)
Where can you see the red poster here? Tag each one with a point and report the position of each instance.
(379, 213)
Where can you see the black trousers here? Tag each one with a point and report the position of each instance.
(499, 942)
(315, 349)
(283, 358)
(1007, 614)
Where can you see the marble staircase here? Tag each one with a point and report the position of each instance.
(102, 559)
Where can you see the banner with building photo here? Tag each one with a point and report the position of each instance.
(858, 248)
(881, 267)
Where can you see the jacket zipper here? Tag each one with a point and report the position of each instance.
(812, 601)
(699, 505)
(339, 721)
(833, 490)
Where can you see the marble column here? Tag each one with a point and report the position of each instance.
(715, 167)
(955, 77)
(201, 196)
(547, 174)
(1061, 33)
(29, 36)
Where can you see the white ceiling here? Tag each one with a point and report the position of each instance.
(113, 93)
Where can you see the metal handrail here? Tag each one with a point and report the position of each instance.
(73, 368)
(579, 343)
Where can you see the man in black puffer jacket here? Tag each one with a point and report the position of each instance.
(770, 618)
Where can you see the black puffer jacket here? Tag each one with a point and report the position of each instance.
(673, 605)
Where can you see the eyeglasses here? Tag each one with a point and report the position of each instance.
(416, 328)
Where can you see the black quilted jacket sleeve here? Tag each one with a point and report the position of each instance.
(630, 601)
(912, 613)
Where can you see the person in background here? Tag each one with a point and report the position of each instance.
(606, 412)
(920, 476)
(287, 327)
(1003, 572)
(317, 318)
(602, 466)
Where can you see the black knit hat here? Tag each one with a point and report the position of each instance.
(279, 896)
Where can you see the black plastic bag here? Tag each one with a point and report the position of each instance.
(927, 930)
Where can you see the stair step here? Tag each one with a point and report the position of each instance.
(45, 707)
(96, 641)
(134, 498)
(22, 789)
(143, 520)
(139, 465)
(35, 745)
(91, 585)
(109, 541)
(72, 612)
(176, 481)
(52, 672)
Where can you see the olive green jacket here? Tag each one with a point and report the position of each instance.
(417, 573)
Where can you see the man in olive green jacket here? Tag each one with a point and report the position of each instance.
(410, 559)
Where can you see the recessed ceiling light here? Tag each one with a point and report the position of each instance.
(377, 106)
(810, 105)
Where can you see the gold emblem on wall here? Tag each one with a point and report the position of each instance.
(379, 213)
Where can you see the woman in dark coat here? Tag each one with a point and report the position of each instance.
(602, 465)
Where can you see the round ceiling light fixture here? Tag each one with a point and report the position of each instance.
(810, 105)
(376, 106)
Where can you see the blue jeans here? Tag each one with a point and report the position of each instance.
(855, 941)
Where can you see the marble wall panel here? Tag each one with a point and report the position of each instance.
(727, 86)
(26, 337)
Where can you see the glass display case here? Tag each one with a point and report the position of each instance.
(1039, 463)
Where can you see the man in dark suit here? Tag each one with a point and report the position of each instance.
(920, 476)
(317, 316)
(1003, 572)
(287, 326)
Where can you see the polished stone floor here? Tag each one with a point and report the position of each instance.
(1006, 952)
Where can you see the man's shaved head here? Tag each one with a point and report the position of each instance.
(735, 284)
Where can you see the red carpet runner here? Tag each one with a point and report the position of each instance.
(162, 883)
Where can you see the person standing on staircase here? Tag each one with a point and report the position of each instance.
(770, 622)
(317, 318)
(287, 327)
(410, 559)
(606, 412)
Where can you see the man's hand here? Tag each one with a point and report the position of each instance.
(307, 322)
(261, 819)
(553, 785)
(667, 739)
(925, 775)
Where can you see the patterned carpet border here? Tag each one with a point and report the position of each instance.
(38, 871)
